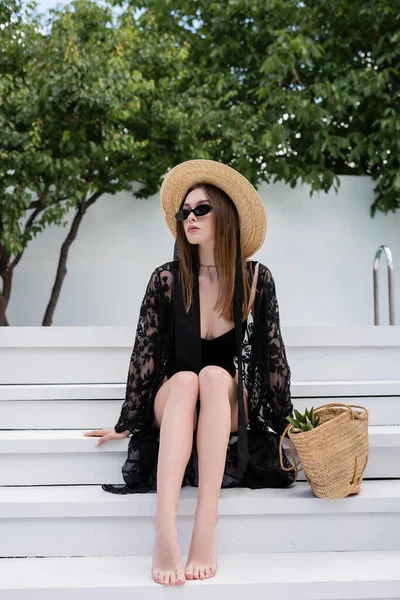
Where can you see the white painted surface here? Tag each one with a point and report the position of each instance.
(37, 355)
(253, 534)
(66, 441)
(48, 457)
(320, 250)
(91, 500)
(117, 337)
(99, 414)
(51, 503)
(115, 391)
(85, 500)
(86, 521)
(306, 576)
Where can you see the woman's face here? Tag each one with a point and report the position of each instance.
(199, 230)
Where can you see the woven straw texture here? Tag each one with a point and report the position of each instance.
(252, 215)
(334, 455)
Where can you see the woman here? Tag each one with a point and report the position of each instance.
(193, 328)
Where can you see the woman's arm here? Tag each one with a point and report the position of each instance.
(142, 361)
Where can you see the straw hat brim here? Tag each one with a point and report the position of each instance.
(252, 214)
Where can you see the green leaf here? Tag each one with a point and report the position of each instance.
(299, 416)
(292, 421)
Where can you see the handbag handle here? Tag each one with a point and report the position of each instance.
(340, 404)
(295, 465)
(316, 410)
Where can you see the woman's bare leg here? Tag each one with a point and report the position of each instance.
(217, 387)
(174, 409)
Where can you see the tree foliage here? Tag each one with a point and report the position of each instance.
(90, 103)
(309, 90)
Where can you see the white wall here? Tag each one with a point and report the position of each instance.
(320, 251)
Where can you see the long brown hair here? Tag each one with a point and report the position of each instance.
(226, 227)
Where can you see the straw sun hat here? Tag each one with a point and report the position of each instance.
(252, 216)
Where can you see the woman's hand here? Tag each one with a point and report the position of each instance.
(107, 434)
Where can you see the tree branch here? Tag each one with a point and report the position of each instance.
(28, 225)
(62, 263)
(37, 203)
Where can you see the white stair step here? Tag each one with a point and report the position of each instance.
(116, 391)
(91, 500)
(305, 576)
(66, 440)
(66, 354)
(87, 521)
(55, 457)
(99, 414)
(94, 406)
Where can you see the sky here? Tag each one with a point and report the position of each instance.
(44, 5)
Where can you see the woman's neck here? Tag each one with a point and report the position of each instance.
(206, 256)
(207, 268)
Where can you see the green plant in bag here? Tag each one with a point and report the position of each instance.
(304, 422)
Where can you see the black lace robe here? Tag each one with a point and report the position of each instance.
(265, 372)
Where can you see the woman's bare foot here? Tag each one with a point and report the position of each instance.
(167, 566)
(202, 558)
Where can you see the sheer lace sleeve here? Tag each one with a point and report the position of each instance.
(279, 396)
(142, 361)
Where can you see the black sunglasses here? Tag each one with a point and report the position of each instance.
(199, 211)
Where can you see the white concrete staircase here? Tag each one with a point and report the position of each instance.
(305, 576)
(86, 521)
(62, 536)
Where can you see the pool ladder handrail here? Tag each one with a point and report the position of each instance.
(389, 259)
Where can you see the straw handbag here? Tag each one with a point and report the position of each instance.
(334, 454)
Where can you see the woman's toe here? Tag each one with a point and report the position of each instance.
(180, 576)
(202, 574)
(189, 571)
(196, 573)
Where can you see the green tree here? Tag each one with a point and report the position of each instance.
(279, 89)
(90, 103)
(309, 90)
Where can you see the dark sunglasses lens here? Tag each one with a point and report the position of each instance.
(201, 210)
(181, 215)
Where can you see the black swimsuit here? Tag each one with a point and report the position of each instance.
(219, 351)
